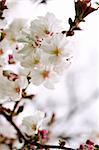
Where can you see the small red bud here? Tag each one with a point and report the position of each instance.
(89, 142)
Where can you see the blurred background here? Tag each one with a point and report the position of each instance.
(72, 108)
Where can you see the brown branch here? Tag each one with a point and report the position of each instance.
(22, 137)
(72, 28)
(9, 119)
(15, 106)
(51, 146)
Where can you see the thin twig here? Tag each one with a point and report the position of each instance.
(52, 146)
(26, 141)
(9, 119)
(15, 106)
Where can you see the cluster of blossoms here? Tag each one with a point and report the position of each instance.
(36, 52)
(46, 52)
(40, 47)
(89, 145)
(42, 50)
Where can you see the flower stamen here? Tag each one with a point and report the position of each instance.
(57, 51)
(17, 89)
(45, 74)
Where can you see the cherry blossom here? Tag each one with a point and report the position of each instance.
(45, 76)
(45, 26)
(57, 47)
(34, 53)
(31, 124)
(11, 90)
(13, 32)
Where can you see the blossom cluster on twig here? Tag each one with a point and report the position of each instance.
(42, 51)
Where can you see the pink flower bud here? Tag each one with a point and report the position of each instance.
(43, 133)
(81, 147)
(89, 142)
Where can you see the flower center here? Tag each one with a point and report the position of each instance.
(36, 61)
(46, 31)
(17, 89)
(45, 74)
(34, 126)
(13, 39)
(57, 51)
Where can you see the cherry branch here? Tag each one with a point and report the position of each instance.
(82, 10)
(22, 137)
(9, 119)
(15, 106)
(52, 146)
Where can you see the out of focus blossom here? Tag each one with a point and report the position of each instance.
(89, 145)
(11, 90)
(13, 32)
(31, 124)
(4, 147)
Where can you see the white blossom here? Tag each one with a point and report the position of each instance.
(3, 23)
(45, 26)
(11, 90)
(57, 46)
(61, 68)
(45, 52)
(32, 60)
(13, 32)
(31, 124)
(30, 44)
(44, 75)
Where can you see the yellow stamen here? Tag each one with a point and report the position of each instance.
(56, 51)
(36, 61)
(34, 126)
